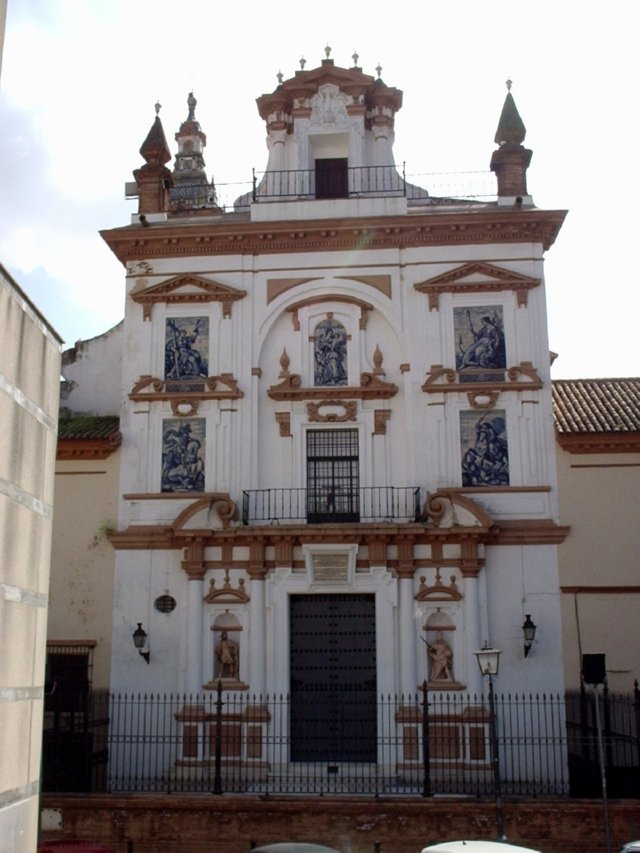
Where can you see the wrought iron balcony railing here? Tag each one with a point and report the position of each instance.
(357, 182)
(372, 181)
(322, 506)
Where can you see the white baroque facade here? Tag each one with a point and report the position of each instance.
(338, 452)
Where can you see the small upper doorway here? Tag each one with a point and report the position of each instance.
(332, 178)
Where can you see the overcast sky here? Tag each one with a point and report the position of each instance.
(80, 78)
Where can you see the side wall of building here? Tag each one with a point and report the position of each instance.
(29, 371)
(599, 495)
(81, 597)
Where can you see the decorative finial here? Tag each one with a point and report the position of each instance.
(157, 107)
(280, 77)
(303, 62)
(327, 51)
(285, 361)
(509, 84)
(379, 70)
(355, 58)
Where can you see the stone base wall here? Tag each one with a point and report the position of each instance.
(231, 824)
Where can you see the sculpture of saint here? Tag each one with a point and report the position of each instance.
(441, 660)
(227, 655)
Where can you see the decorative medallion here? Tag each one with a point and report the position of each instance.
(328, 411)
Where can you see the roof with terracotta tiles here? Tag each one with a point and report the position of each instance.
(596, 405)
(89, 427)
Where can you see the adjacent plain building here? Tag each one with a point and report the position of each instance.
(29, 381)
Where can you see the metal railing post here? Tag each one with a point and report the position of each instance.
(217, 779)
(254, 190)
(426, 756)
(495, 761)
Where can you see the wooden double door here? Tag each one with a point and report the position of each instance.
(333, 696)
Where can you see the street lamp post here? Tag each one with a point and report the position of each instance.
(489, 663)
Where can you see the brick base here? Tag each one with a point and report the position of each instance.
(229, 824)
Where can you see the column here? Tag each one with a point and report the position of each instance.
(193, 565)
(472, 629)
(257, 635)
(407, 629)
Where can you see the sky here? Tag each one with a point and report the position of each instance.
(80, 79)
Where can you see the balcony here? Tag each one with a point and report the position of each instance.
(400, 505)
(434, 189)
(371, 182)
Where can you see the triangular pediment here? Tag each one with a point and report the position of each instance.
(477, 277)
(187, 288)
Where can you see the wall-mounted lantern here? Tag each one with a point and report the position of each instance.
(529, 632)
(140, 642)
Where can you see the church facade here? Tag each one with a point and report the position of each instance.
(337, 470)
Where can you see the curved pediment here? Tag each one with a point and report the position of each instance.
(450, 509)
(205, 514)
(187, 289)
(477, 277)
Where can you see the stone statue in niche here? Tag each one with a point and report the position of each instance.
(227, 656)
(440, 659)
(485, 452)
(330, 353)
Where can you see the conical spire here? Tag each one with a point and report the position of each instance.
(155, 148)
(511, 161)
(510, 127)
(154, 179)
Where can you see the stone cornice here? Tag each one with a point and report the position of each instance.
(599, 442)
(87, 448)
(483, 394)
(542, 531)
(205, 237)
(512, 532)
(185, 401)
(371, 388)
(600, 590)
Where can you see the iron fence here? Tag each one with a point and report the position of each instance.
(621, 740)
(223, 741)
(367, 504)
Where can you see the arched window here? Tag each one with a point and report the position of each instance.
(330, 353)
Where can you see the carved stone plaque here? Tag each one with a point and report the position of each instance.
(331, 568)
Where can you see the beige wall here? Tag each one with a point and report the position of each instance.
(81, 596)
(600, 563)
(29, 371)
